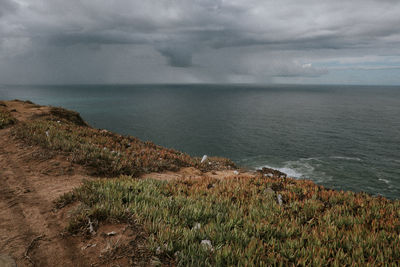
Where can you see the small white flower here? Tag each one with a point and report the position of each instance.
(235, 172)
(47, 133)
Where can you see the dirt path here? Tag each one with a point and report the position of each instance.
(29, 183)
(30, 180)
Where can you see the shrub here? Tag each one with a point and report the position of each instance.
(6, 118)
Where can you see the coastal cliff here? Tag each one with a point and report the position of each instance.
(91, 196)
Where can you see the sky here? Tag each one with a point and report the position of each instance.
(200, 41)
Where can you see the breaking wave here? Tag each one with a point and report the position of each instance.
(305, 168)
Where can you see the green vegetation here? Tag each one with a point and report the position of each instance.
(107, 153)
(243, 222)
(6, 118)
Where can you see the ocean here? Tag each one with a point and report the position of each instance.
(342, 137)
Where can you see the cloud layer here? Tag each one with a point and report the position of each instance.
(55, 41)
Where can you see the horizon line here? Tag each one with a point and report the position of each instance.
(196, 83)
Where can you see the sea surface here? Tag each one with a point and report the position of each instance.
(342, 137)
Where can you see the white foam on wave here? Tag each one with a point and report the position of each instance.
(289, 172)
(387, 182)
(384, 180)
(346, 158)
(294, 169)
(300, 169)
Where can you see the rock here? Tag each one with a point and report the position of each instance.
(279, 198)
(196, 226)
(269, 191)
(235, 172)
(91, 228)
(268, 172)
(207, 244)
(204, 159)
(112, 233)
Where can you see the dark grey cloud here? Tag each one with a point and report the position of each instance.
(178, 55)
(192, 40)
(7, 7)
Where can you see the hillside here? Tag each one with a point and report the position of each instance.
(96, 198)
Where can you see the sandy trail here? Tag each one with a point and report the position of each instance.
(30, 180)
(28, 186)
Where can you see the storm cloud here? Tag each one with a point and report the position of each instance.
(174, 41)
